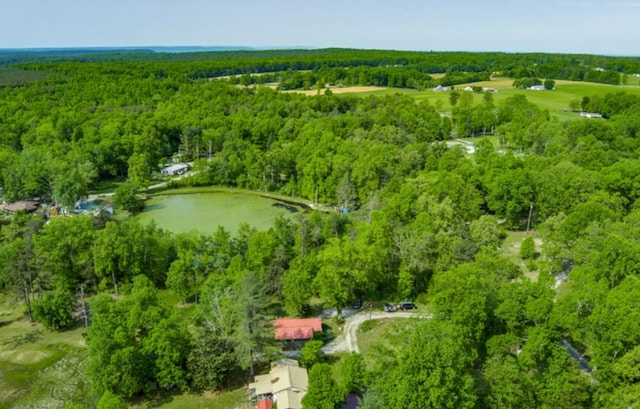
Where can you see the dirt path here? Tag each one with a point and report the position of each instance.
(348, 340)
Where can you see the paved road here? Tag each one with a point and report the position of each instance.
(348, 340)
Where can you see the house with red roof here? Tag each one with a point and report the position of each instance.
(302, 329)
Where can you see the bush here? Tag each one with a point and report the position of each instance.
(311, 353)
(54, 310)
(111, 401)
(353, 373)
(527, 248)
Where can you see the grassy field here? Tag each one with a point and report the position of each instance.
(234, 399)
(556, 101)
(39, 368)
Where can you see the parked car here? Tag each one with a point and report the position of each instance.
(407, 306)
(357, 304)
(388, 307)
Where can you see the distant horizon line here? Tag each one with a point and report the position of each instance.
(195, 48)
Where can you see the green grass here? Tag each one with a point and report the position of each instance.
(39, 368)
(106, 186)
(234, 399)
(511, 248)
(380, 337)
(557, 101)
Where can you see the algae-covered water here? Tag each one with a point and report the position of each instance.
(205, 211)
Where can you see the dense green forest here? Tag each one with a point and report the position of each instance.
(425, 222)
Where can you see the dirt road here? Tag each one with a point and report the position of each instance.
(348, 340)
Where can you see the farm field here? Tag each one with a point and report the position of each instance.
(557, 101)
(341, 90)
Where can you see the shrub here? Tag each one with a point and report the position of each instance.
(527, 248)
(54, 310)
(311, 353)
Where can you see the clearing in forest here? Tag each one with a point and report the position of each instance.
(339, 90)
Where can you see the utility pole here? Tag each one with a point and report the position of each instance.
(529, 219)
(85, 316)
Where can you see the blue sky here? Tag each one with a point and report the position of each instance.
(567, 26)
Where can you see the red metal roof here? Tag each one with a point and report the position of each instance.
(290, 329)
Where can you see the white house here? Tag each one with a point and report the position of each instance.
(173, 170)
(536, 88)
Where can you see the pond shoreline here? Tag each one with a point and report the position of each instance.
(306, 204)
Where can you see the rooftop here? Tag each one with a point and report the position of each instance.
(291, 329)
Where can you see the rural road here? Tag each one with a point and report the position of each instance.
(348, 340)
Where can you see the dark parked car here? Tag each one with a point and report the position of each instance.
(407, 306)
(357, 304)
(388, 307)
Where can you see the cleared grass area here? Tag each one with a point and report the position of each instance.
(39, 368)
(234, 399)
(339, 90)
(377, 337)
(511, 248)
(556, 101)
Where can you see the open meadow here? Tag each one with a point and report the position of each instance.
(556, 101)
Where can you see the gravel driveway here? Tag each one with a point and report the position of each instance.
(347, 341)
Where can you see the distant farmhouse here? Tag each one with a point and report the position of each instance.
(174, 170)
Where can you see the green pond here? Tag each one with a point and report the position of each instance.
(206, 211)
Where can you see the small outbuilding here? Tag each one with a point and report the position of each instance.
(591, 115)
(174, 170)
